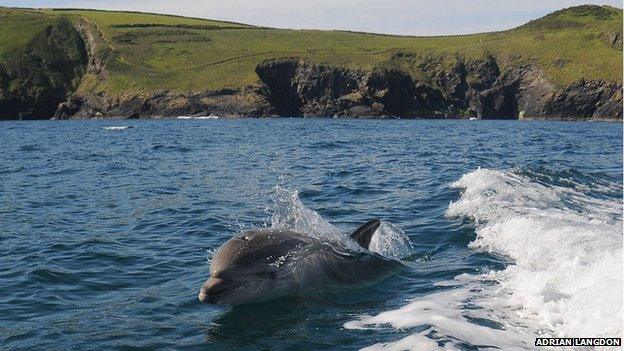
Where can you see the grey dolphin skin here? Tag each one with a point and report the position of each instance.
(262, 264)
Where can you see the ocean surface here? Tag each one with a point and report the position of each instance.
(508, 230)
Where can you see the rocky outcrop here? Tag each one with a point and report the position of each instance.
(475, 88)
(299, 89)
(613, 39)
(99, 52)
(586, 100)
(225, 103)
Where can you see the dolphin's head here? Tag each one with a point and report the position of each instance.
(246, 268)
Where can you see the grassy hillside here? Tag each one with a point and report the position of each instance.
(42, 61)
(159, 52)
(19, 27)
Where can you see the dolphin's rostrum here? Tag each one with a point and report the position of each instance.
(261, 264)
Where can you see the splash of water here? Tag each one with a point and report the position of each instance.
(390, 241)
(290, 213)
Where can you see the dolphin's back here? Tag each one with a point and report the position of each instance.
(333, 264)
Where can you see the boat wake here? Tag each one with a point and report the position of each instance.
(564, 238)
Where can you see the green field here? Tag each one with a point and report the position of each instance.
(158, 52)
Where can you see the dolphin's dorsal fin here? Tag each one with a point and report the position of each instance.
(364, 233)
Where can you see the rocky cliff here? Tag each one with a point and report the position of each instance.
(293, 87)
(478, 88)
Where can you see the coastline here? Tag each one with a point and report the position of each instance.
(444, 81)
(231, 118)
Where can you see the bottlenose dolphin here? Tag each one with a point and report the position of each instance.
(262, 264)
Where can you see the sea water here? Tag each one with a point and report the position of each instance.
(509, 230)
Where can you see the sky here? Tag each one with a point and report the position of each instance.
(409, 17)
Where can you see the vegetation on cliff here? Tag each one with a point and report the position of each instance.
(42, 60)
(139, 54)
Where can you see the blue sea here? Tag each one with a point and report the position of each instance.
(508, 230)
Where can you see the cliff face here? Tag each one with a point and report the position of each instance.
(291, 87)
(477, 88)
(36, 79)
(601, 100)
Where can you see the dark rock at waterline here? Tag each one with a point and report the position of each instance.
(225, 102)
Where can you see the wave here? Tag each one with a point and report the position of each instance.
(564, 238)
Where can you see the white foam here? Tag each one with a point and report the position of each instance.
(198, 117)
(566, 279)
(444, 317)
(116, 128)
